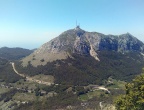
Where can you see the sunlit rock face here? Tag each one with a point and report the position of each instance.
(78, 41)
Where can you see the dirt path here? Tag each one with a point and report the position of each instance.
(101, 106)
(48, 83)
(29, 78)
(97, 87)
(103, 88)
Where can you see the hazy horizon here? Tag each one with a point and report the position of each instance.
(30, 23)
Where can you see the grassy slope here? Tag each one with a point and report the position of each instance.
(84, 70)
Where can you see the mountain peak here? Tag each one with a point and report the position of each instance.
(77, 27)
(79, 31)
(78, 41)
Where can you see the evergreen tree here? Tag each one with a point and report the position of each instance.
(134, 97)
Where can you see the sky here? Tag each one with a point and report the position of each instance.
(31, 23)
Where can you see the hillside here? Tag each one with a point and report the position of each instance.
(84, 69)
(80, 57)
(6, 72)
(75, 79)
(84, 43)
(14, 53)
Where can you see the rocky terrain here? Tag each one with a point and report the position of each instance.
(84, 43)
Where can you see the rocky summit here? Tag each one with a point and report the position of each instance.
(84, 43)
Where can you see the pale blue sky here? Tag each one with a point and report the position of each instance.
(30, 23)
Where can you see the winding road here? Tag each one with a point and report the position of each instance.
(103, 88)
(47, 83)
(29, 78)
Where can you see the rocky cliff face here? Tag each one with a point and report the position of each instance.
(85, 43)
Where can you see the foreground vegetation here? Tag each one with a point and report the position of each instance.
(134, 97)
(25, 95)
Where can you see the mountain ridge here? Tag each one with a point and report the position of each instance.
(82, 42)
(14, 53)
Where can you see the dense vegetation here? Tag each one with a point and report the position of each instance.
(6, 72)
(84, 69)
(14, 53)
(72, 75)
(8, 95)
(60, 101)
(134, 97)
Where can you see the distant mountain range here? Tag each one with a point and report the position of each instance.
(14, 53)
